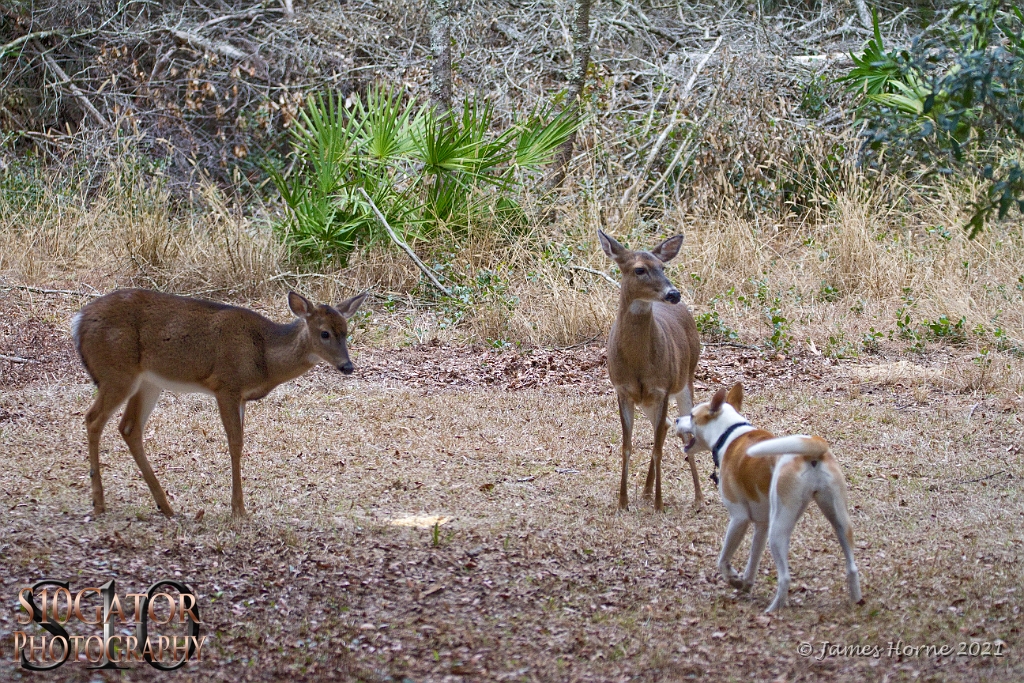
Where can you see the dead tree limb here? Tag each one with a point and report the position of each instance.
(673, 120)
(66, 80)
(401, 243)
(197, 41)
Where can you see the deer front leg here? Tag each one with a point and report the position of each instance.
(660, 432)
(684, 409)
(626, 417)
(231, 413)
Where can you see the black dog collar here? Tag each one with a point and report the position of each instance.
(722, 439)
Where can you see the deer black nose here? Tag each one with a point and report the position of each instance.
(673, 297)
(347, 367)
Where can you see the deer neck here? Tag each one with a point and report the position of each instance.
(635, 312)
(635, 322)
(289, 352)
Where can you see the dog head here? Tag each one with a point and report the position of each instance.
(706, 422)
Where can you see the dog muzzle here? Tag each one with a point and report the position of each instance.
(684, 430)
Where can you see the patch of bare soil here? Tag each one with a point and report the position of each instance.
(535, 576)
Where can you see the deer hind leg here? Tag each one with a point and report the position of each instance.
(132, 426)
(684, 404)
(231, 412)
(110, 394)
(626, 409)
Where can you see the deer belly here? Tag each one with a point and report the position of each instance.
(176, 386)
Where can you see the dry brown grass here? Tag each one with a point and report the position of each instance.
(834, 278)
(541, 578)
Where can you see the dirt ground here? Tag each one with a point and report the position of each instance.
(536, 576)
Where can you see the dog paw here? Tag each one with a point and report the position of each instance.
(861, 601)
(737, 583)
(746, 586)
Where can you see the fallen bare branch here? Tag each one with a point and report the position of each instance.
(9, 47)
(17, 359)
(594, 272)
(197, 41)
(401, 243)
(65, 80)
(653, 155)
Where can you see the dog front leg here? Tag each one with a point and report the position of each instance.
(733, 535)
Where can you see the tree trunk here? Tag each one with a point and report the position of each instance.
(441, 51)
(864, 14)
(577, 78)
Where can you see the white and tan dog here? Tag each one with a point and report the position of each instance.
(769, 482)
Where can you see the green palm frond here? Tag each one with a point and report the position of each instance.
(538, 141)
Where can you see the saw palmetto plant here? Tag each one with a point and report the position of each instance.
(423, 170)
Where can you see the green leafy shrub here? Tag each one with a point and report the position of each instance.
(423, 171)
(951, 102)
(711, 327)
(944, 329)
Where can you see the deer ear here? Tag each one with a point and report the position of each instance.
(300, 305)
(735, 397)
(667, 250)
(612, 248)
(348, 307)
(716, 401)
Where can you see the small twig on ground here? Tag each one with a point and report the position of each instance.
(594, 272)
(977, 479)
(403, 245)
(17, 359)
(577, 345)
(39, 290)
(733, 344)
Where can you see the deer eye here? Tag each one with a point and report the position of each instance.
(325, 335)
(640, 271)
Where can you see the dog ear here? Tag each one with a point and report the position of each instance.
(735, 397)
(716, 401)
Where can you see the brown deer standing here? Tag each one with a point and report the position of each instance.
(136, 343)
(652, 354)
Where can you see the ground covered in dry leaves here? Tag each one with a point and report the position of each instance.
(536, 577)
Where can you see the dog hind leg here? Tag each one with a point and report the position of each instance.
(757, 545)
(783, 519)
(834, 508)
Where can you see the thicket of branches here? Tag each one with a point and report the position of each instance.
(732, 95)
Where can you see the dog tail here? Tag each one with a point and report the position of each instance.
(812, 447)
